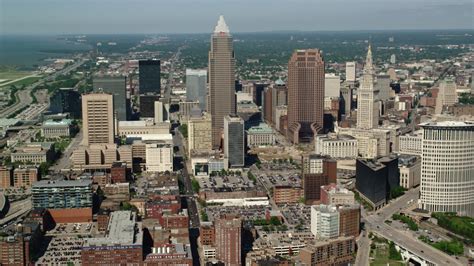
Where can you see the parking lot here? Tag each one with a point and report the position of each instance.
(62, 251)
(82, 229)
(247, 213)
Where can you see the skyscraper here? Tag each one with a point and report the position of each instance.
(147, 105)
(66, 100)
(196, 80)
(98, 118)
(305, 95)
(221, 79)
(447, 167)
(117, 86)
(367, 110)
(351, 71)
(229, 240)
(447, 95)
(234, 146)
(149, 76)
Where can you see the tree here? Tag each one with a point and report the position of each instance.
(393, 254)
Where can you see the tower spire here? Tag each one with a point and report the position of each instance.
(369, 67)
(221, 26)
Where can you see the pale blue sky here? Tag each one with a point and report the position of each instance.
(191, 16)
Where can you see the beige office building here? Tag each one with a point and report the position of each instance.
(447, 95)
(199, 133)
(98, 118)
(221, 79)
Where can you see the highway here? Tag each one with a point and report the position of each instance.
(17, 209)
(375, 223)
(24, 97)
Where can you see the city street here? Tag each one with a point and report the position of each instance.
(375, 223)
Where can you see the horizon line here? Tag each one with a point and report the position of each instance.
(238, 32)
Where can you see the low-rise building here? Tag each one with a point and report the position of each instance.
(35, 153)
(122, 242)
(56, 129)
(316, 254)
(68, 201)
(261, 135)
(142, 127)
(336, 195)
(6, 174)
(410, 171)
(411, 143)
(100, 157)
(287, 194)
(25, 177)
(159, 157)
(336, 146)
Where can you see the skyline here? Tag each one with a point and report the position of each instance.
(122, 17)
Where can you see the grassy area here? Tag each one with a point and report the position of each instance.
(461, 225)
(25, 82)
(381, 254)
(452, 247)
(11, 74)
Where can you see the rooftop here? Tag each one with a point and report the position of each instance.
(63, 122)
(449, 124)
(120, 231)
(261, 128)
(63, 183)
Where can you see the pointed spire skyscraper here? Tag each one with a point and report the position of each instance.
(221, 80)
(367, 110)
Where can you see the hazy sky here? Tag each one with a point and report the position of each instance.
(183, 16)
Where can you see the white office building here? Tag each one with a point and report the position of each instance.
(324, 221)
(332, 85)
(447, 167)
(351, 71)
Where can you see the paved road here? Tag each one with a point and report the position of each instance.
(375, 223)
(363, 250)
(186, 179)
(17, 209)
(24, 97)
(173, 59)
(64, 162)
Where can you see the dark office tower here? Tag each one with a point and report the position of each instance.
(305, 95)
(258, 89)
(375, 178)
(66, 100)
(346, 100)
(234, 143)
(238, 85)
(267, 105)
(221, 79)
(147, 105)
(117, 86)
(317, 171)
(149, 79)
